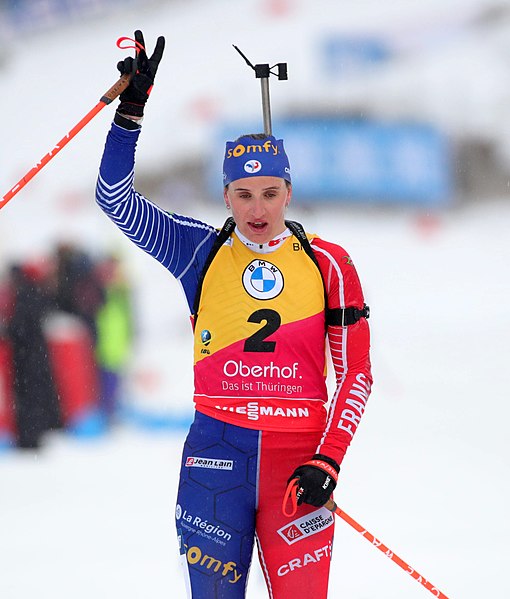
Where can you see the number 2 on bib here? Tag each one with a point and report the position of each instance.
(257, 342)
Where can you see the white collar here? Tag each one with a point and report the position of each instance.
(263, 248)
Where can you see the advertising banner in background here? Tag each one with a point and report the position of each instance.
(362, 161)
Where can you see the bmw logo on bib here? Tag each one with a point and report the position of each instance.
(262, 280)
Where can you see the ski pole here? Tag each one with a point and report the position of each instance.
(332, 507)
(108, 97)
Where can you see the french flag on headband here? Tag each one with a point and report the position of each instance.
(255, 156)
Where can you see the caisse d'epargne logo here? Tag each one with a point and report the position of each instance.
(306, 526)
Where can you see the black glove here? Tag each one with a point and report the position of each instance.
(316, 480)
(134, 97)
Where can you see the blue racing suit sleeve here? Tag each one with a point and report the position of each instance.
(180, 243)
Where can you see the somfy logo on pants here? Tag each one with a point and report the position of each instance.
(262, 280)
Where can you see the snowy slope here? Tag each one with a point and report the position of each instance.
(426, 472)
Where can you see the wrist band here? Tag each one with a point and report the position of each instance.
(328, 468)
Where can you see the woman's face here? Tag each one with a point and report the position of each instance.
(258, 206)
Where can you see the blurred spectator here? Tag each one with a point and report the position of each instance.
(36, 402)
(6, 305)
(114, 328)
(78, 289)
(62, 375)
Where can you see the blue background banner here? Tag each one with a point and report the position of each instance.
(360, 160)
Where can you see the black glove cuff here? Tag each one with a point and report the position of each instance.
(328, 460)
(125, 123)
(131, 109)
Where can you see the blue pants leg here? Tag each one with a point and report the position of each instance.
(216, 503)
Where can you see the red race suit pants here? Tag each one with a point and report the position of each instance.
(231, 488)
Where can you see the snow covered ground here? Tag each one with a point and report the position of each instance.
(428, 469)
(427, 472)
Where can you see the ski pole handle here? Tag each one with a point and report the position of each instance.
(116, 89)
(108, 97)
(332, 507)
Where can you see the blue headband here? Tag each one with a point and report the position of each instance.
(248, 157)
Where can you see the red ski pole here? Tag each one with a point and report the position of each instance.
(106, 98)
(332, 507)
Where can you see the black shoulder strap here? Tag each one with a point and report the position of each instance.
(225, 232)
(298, 231)
(334, 316)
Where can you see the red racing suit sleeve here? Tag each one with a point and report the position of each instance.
(350, 350)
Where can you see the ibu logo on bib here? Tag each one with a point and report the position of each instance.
(262, 280)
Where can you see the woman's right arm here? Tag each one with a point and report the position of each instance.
(179, 243)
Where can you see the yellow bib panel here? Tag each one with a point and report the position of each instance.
(260, 339)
